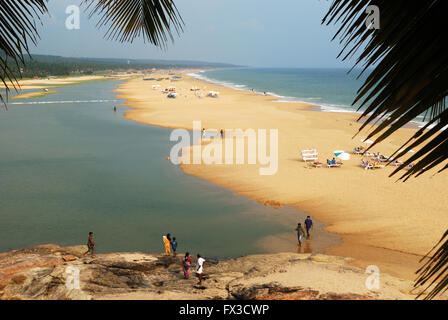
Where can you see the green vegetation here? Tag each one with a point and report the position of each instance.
(45, 66)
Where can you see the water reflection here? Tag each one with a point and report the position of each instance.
(305, 247)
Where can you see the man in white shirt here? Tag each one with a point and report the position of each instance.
(199, 268)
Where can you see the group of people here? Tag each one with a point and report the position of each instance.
(221, 133)
(370, 164)
(301, 232)
(171, 245)
(186, 266)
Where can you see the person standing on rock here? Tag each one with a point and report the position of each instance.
(90, 245)
(300, 233)
(174, 246)
(186, 267)
(200, 268)
(167, 244)
(308, 226)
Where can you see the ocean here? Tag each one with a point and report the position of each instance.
(332, 89)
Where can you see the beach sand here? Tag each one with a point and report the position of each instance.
(44, 83)
(382, 221)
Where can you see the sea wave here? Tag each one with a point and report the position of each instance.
(323, 107)
(236, 86)
(282, 99)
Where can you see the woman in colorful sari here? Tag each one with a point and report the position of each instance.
(186, 267)
(167, 244)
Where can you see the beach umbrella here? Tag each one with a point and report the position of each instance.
(341, 154)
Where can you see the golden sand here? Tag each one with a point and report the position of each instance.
(54, 82)
(381, 221)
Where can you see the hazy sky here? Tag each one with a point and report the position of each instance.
(280, 33)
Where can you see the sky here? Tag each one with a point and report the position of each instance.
(257, 33)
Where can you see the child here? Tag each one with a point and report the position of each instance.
(174, 246)
(300, 233)
(90, 245)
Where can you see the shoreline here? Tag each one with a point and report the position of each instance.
(379, 245)
(284, 99)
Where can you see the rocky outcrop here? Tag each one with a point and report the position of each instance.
(50, 272)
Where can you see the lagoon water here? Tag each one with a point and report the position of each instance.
(70, 165)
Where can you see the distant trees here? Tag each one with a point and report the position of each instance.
(125, 20)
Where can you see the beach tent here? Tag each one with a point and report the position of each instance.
(213, 94)
(172, 95)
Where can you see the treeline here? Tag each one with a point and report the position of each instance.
(44, 66)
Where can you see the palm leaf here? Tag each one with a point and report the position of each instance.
(409, 78)
(433, 272)
(17, 30)
(153, 20)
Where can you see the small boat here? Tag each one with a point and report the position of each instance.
(172, 95)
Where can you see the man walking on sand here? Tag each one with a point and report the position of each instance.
(200, 268)
(308, 226)
(300, 233)
(90, 245)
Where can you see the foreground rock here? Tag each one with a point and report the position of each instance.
(42, 272)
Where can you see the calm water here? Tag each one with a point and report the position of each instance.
(70, 165)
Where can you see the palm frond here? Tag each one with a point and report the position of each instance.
(411, 73)
(409, 79)
(433, 271)
(17, 30)
(154, 20)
